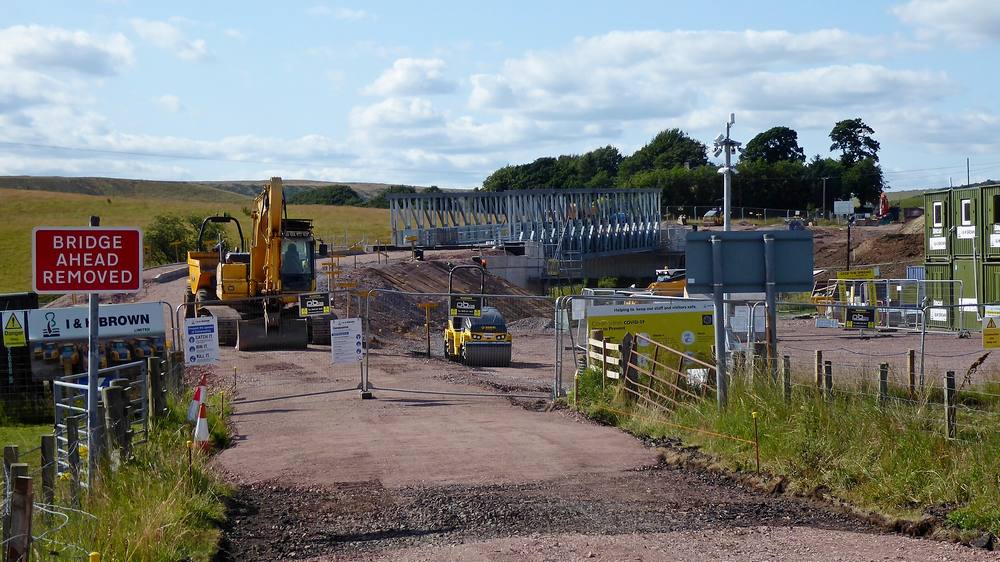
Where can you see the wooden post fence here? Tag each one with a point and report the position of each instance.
(950, 403)
(883, 384)
(911, 372)
(49, 469)
(828, 379)
(18, 541)
(786, 377)
(819, 369)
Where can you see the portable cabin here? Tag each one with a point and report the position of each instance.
(937, 225)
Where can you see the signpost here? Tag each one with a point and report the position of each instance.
(860, 318)
(93, 261)
(347, 346)
(201, 340)
(771, 262)
(314, 304)
(465, 306)
(428, 306)
(991, 333)
(14, 334)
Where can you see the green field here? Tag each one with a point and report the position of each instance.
(25, 209)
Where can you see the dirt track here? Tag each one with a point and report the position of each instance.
(323, 475)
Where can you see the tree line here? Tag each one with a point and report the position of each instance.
(772, 170)
(344, 195)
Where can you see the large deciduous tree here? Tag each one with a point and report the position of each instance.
(668, 149)
(853, 138)
(777, 144)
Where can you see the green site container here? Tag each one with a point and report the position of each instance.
(937, 225)
(991, 222)
(939, 294)
(969, 272)
(991, 283)
(966, 222)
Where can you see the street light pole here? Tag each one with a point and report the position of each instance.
(824, 195)
(728, 146)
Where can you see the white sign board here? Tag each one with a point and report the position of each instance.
(740, 322)
(579, 309)
(824, 322)
(843, 207)
(346, 342)
(938, 314)
(201, 340)
(965, 232)
(991, 310)
(994, 240)
(938, 243)
(116, 320)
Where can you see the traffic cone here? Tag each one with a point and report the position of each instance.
(198, 399)
(202, 439)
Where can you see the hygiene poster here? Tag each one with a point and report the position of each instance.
(679, 324)
(346, 340)
(58, 337)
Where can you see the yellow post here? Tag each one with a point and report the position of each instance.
(427, 306)
(94, 557)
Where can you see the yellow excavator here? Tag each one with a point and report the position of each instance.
(248, 289)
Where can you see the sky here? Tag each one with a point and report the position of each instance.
(443, 93)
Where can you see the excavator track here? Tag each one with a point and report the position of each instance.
(253, 335)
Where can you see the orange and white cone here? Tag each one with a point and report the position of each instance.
(198, 399)
(195, 404)
(202, 439)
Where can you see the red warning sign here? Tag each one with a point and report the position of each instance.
(87, 260)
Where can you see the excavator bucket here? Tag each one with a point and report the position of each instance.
(486, 354)
(253, 335)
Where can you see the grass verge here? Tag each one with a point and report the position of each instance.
(155, 507)
(892, 459)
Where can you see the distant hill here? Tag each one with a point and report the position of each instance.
(219, 191)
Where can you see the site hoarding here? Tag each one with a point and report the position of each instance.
(683, 325)
(57, 337)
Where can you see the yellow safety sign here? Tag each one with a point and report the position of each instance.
(991, 333)
(13, 330)
(682, 325)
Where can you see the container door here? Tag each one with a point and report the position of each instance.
(964, 270)
(939, 294)
(937, 236)
(991, 222)
(965, 207)
(991, 288)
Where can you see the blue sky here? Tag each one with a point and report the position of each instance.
(445, 92)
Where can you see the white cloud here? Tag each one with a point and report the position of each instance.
(35, 47)
(646, 74)
(964, 21)
(411, 77)
(395, 112)
(836, 86)
(166, 35)
(341, 13)
(234, 34)
(170, 102)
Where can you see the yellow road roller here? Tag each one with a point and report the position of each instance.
(476, 334)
